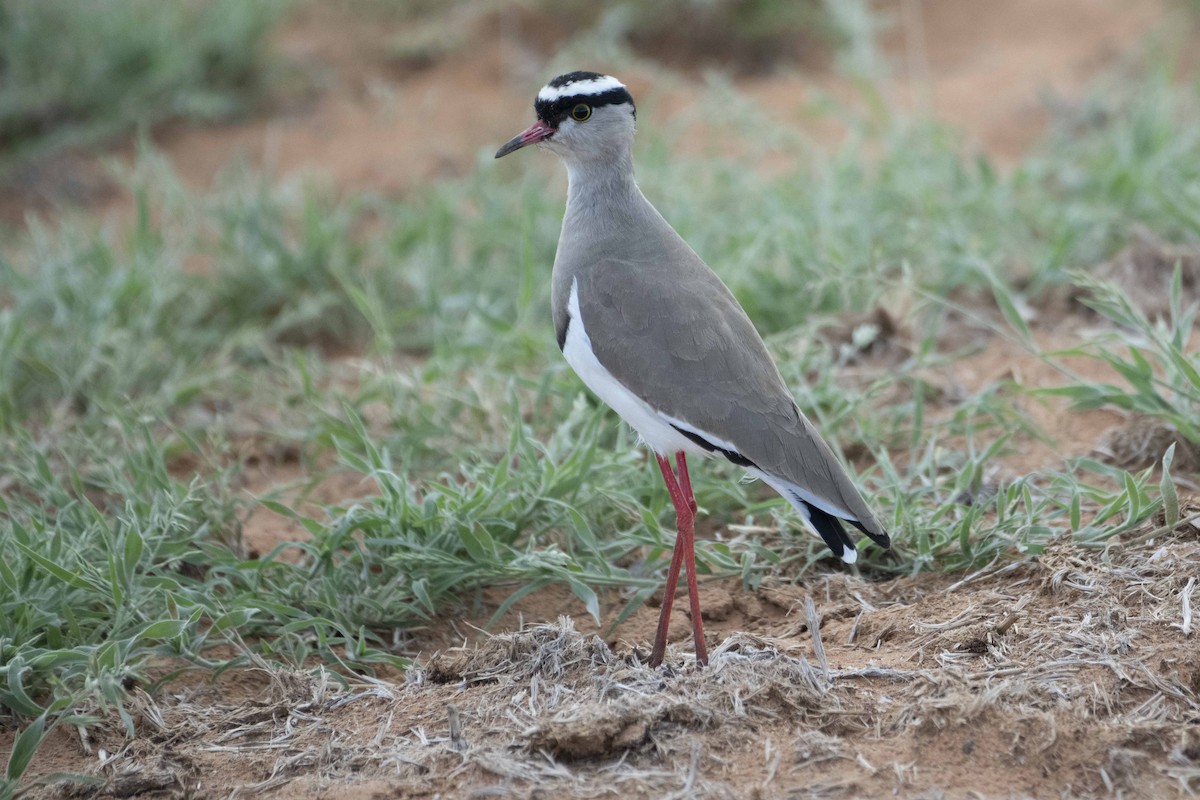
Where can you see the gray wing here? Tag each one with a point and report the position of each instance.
(674, 334)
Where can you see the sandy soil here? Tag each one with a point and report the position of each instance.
(1068, 675)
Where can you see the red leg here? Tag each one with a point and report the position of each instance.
(685, 484)
(684, 550)
(685, 481)
(664, 615)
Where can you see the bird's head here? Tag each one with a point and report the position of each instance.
(581, 116)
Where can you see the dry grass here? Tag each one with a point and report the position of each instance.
(1070, 674)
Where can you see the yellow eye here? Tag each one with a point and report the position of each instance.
(581, 112)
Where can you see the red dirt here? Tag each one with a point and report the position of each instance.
(1066, 675)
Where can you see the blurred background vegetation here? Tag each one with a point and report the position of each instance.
(188, 356)
(75, 74)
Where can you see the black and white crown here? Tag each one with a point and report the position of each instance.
(565, 92)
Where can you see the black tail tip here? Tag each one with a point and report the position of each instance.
(834, 533)
(882, 539)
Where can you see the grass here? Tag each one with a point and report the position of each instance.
(1159, 365)
(140, 370)
(76, 74)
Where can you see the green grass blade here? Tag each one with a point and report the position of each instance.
(25, 746)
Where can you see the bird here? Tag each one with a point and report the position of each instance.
(653, 332)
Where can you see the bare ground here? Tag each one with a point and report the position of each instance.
(1072, 674)
(377, 122)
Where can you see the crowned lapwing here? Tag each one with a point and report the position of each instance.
(659, 338)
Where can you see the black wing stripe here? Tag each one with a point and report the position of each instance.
(560, 331)
(881, 539)
(732, 455)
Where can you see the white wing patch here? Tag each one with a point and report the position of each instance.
(652, 426)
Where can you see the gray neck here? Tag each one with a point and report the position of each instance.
(602, 196)
(607, 219)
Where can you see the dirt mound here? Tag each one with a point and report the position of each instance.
(1142, 441)
(1144, 272)
(1070, 674)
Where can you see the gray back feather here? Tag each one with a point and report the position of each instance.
(669, 330)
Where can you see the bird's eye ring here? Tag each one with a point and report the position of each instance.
(581, 112)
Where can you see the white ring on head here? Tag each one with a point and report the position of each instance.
(590, 86)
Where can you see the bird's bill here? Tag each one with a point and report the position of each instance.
(531, 135)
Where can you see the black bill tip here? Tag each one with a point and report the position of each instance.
(511, 146)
